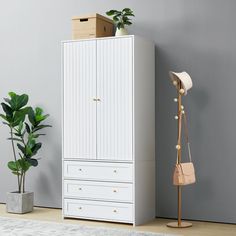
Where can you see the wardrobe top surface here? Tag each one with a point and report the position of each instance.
(102, 38)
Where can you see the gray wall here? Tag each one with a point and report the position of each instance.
(196, 36)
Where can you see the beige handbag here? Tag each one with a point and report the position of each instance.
(184, 173)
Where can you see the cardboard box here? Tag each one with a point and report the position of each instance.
(92, 26)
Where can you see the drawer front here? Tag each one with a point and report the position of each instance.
(122, 212)
(107, 191)
(117, 172)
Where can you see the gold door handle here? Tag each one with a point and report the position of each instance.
(96, 99)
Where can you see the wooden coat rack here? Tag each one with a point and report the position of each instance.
(179, 223)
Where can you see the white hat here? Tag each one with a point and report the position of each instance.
(185, 79)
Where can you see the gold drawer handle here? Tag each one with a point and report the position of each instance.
(114, 191)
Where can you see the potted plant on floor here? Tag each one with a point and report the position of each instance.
(121, 19)
(24, 123)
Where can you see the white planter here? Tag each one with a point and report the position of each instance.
(121, 31)
(20, 202)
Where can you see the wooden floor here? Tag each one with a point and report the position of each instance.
(158, 225)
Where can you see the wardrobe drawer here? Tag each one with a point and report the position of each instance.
(122, 212)
(107, 191)
(118, 172)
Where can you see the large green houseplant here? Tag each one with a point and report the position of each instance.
(121, 19)
(24, 123)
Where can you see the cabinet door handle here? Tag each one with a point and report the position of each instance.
(96, 99)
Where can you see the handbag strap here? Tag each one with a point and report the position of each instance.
(185, 134)
(179, 133)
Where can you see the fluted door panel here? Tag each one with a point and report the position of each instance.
(114, 89)
(79, 107)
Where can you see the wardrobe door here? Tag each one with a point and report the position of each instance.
(79, 121)
(114, 90)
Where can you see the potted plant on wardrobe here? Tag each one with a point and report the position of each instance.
(121, 19)
(24, 123)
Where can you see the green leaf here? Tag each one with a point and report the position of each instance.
(127, 9)
(27, 127)
(12, 94)
(15, 173)
(13, 101)
(8, 119)
(31, 141)
(36, 147)
(39, 115)
(111, 12)
(7, 109)
(41, 118)
(115, 18)
(129, 14)
(21, 148)
(18, 135)
(24, 164)
(15, 139)
(20, 127)
(28, 152)
(40, 127)
(118, 14)
(22, 101)
(128, 23)
(19, 116)
(31, 116)
(37, 135)
(32, 161)
(17, 120)
(38, 111)
(120, 25)
(18, 101)
(12, 165)
(125, 18)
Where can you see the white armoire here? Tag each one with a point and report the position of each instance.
(109, 129)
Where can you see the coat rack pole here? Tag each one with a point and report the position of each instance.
(179, 223)
(179, 153)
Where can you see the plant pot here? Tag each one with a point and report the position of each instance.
(20, 203)
(121, 31)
